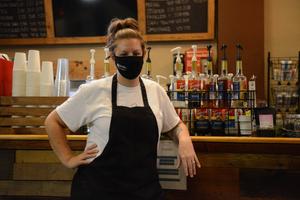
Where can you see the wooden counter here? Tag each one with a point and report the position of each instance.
(243, 168)
(211, 144)
(246, 168)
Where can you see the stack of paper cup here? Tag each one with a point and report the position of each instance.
(62, 81)
(47, 80)
(19, 75)
(33, 73)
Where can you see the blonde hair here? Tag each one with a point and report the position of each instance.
(123, 29)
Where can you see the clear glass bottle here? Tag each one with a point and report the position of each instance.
(202, 89)
(223, 81)
(239, 82)
(106, 63)
(194, 86)
(252, 92)
(210, 84)
(180, 85)
(148, 66)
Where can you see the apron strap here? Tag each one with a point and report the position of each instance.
(114, 92)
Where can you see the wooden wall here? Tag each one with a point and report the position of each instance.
(242, 21)
(245, 171)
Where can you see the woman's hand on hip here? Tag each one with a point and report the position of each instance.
(83, 158)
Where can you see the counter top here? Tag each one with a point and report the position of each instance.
(217, 139)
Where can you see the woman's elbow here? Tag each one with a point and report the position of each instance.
(48, 119)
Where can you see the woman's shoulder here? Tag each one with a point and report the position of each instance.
(94, 89)
(150, 83)
(103, 83)
(153, 87)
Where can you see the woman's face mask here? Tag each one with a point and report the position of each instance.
(129, 66)
(128, 56)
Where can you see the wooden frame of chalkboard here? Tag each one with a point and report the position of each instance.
(50, 38)
(169, 19)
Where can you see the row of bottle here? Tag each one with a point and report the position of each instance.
(224, 90)
(218, 122)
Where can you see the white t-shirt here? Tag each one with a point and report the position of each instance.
(91, 104)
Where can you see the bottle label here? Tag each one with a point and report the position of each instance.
(222, 89)
(252, 85)
(194, 66)
(221, 85)
(217, 121)
(180, 86)
(201, 114)
(236, 90)
(211, 88)
(193, 87)
(201, 119)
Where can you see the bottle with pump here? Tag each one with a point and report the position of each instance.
(148, 66)
(179, 81)
(194, 83)
(211, 84)
(91, 77)
(106, 63)
(230, 122)
(172, 90)
(159, 78)
(223, 81)
(230, 88)
(202, 87)
(239, 82)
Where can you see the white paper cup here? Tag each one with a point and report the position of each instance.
(32, 83)
(34, 61)
(46, 79)
(32, 79)
(20, 61)
(32, 91)
(46, 90)
(47, 73)
(19, 83)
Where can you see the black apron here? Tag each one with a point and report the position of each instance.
(126, 169)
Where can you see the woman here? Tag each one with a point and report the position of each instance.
(126, 116)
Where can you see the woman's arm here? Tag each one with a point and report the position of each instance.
(187, 155)
(58, 141)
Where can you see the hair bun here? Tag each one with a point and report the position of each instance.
(119, 24)
(123, 29)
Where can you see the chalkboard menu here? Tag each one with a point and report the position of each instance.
(47, 22)
(78, 18)
(22, 19)
(176, 16)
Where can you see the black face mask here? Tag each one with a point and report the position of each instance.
(129, 66)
